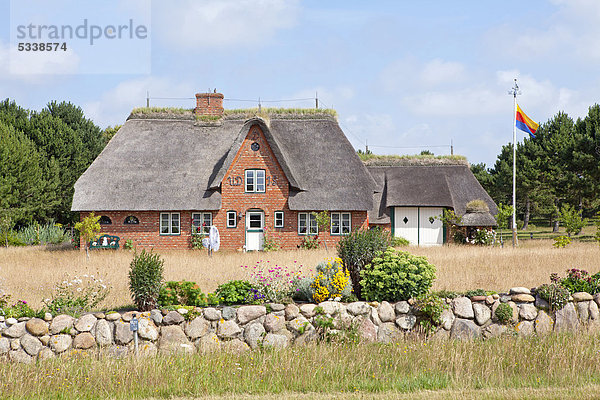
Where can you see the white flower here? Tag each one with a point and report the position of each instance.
(79, 289)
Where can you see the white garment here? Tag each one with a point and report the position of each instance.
(213, 238)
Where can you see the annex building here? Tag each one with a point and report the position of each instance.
(169, 174)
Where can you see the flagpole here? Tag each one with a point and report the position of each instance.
(514, 91)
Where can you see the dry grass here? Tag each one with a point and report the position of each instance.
(29, 273)
(492, 268)
(554, 366)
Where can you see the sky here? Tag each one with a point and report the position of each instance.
(404, 76)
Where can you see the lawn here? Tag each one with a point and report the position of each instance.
(29, 273)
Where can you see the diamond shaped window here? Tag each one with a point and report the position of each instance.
(405, 220)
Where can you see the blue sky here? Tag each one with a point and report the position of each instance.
(399, 73)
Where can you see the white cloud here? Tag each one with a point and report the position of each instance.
(192, 24)
(25, 63)
(34, 67)
(439, 71)
(114, 105)
(411, 73)
(571, 32)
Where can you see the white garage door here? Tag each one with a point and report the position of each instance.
(418, 225)
(406, 223)
(431, 229)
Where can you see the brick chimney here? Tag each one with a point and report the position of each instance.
(209, 104)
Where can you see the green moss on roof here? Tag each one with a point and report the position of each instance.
(397, 160)
(243, 113)
(270, 111)
(160, 110)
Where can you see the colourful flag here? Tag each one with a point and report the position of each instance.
(525, 123)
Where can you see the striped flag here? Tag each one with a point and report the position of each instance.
(525, 123)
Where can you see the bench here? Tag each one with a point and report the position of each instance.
(105, 242)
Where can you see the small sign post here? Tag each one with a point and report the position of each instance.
(133, 326)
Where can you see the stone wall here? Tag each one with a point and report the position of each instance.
(243, 328)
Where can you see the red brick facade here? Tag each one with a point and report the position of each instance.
(233, 198)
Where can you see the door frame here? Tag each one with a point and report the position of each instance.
(254, 230)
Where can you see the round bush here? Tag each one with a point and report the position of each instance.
(504, 313)
(396, 275)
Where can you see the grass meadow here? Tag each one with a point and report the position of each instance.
(554, 366)
(29, 273)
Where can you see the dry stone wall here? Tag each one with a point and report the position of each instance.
(238, 329)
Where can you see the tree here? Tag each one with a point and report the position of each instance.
(88, 228)
(571, 219)
(483, 175)
(85, 130)
(109, 132)
(503, 219)
(6, 225)
(21, 184)
(323, 222)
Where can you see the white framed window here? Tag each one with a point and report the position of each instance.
(279, 223)
(255, 181)
(170, 224)
(201, 222)
(231, 219)
(307, 224)
(340, 223)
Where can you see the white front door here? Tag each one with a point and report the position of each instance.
(255, 223)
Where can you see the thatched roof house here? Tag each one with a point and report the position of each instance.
(178, 170)
(181, 163)
(411, 193)
(169, 174)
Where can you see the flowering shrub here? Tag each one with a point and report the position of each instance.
(555, 294)
(185, 293)
(274, 284)
(432, 307)
(310, 242)
(270, 244)
(482, 237)
(578, 280)
(19, 309)
(16, 310)
(331, 281)
(77, 295)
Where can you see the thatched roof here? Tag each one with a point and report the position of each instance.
(425, 185)
(178, 163)
(375, 160)
(478, 218)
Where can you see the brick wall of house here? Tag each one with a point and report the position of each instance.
(147, 232)
(233, 198)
